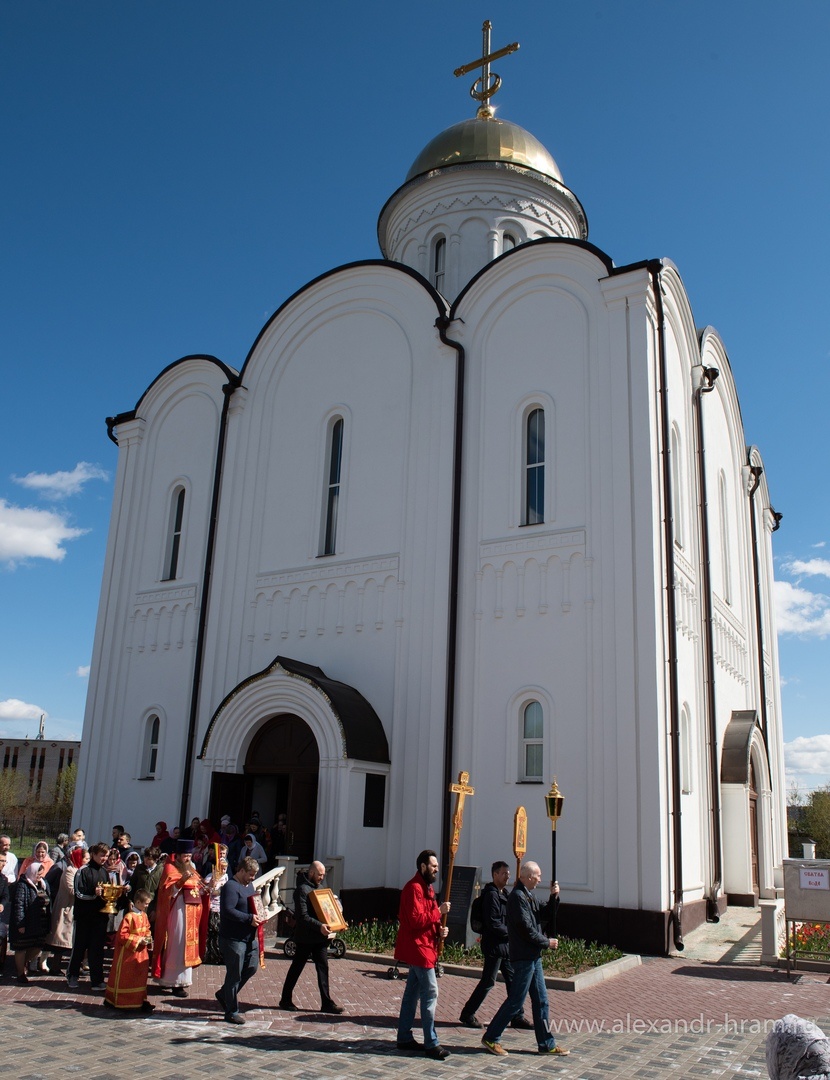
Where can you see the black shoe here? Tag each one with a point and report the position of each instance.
(437, 1052)
(411, 1046)
(522, 1023)
(147, 1006)
(288, 1006)
(333, 1008)
(234, 1018)
(179, 991)
(220, 997)
(470, 1020)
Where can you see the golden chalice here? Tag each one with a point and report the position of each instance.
(111, 893)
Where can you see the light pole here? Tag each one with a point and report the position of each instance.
(553, 807)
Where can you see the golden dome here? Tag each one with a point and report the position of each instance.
(479, 139)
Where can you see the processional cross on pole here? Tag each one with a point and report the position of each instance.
(486, 84)
(461, 790)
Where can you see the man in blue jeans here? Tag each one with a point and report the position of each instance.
(419, 931)
(237, 937)
(526, 941)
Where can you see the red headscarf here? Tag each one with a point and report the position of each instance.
(161, 835)
(76, 857)
(211, 835)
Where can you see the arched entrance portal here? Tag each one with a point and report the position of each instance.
(279, 777)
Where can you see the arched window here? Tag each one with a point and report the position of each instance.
(534, 468)
(726, 564)
(508, 242)
(531, 764)
(174, 535)
(677, 489)
(151, 747)
(439, 262)
(331, 489)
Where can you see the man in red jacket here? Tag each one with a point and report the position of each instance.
(420, 928)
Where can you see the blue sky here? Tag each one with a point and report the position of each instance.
(174, 170)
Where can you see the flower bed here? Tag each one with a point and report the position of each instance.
(571, 957)
(810, 940)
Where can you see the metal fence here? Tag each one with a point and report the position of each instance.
(25, 830)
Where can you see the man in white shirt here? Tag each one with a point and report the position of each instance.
(10, 869)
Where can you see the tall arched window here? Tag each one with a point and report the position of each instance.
(726, 564)
(677, 489)
(331, 491)
(439, 262)
(534, 468)
(174, 535)
(152, 735)
(531, 763)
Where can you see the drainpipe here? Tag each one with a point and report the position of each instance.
(707, 384)
(756, 472)
(227, 390)
(442, 323)
(654, 268)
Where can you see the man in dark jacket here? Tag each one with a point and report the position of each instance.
(312, 939)
(237, 937)
(90, 933)
(147, 875)
(494, 947)
(526, 941)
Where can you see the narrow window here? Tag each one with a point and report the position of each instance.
(724, 541)
(151, 747)
(174, 534)
(685, 752)
(532, 742)
(508, 242)
(374, 797)
(331, 494)
(439, 258)
(677, 489)
(534, 511)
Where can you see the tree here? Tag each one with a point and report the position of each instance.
(11, 791)
(816, 821)
(64, 793)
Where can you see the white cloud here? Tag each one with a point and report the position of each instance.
(29, 533)
(14, 709)
(60, 485)
(799, 611)
(810, 568)
(83, 671)
(807, 759)
(820, 544)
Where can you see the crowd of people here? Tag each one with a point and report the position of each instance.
(184, 899)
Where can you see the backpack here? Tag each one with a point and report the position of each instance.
(477, 915)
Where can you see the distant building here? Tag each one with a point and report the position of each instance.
(485, 503)
(39, 764)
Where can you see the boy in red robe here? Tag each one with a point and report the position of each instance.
(127, 983)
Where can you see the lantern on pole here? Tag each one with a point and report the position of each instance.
(553, 807)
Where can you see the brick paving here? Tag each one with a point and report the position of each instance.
(674, 1017)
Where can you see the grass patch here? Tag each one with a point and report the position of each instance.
(570, 958)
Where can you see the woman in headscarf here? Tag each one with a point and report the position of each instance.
(161, 835)
(40, 854)
(59, 938)
(254, 849)
(115, 867)
(30, 918)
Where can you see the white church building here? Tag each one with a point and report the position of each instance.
(484, 503)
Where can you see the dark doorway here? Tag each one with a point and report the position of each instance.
(753, 829)
(280, 778)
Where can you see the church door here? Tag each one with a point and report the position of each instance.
(753, 829)
(282, 770)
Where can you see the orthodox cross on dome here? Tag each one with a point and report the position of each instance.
(486, 84)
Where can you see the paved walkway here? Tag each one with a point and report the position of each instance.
(673, 1017)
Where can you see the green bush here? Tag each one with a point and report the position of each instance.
(571, 957)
